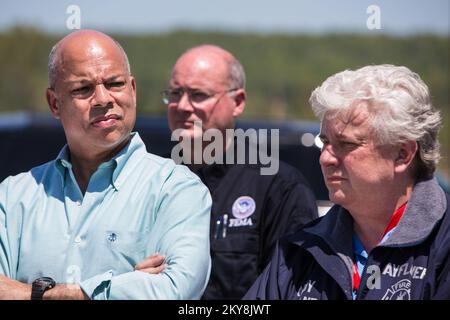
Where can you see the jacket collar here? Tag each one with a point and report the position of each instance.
(424, 210)
(335, 229)
(216, 170)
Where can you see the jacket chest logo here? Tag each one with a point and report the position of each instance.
(306, 291)
(406, 269)
(399, 291)
(243, 207)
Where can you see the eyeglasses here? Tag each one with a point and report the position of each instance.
(195, 97)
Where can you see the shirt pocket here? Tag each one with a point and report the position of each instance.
(234, 263)
(122, 250)
(237, 242)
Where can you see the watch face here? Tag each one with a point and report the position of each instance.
(44, 282)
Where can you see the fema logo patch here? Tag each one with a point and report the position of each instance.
(399, 291)
(243, 207)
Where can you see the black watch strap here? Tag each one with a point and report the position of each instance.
(41, 285)
(37, 294)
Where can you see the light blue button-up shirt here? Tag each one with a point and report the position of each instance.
(136, 204)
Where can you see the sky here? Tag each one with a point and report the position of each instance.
(400, 17)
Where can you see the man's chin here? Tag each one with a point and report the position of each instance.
(115, 139)
(190, 133)
(337, 197)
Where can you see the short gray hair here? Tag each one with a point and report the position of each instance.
(399, 104)
(53, 62)
(236, 74)
(51, 68)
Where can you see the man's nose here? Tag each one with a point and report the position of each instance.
(184, 104)
(102, 96)
(328, 156)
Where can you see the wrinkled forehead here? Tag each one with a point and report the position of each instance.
(342, 122)
(354, 115)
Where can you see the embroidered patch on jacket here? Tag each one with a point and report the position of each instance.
(399, 291)
(243, 207)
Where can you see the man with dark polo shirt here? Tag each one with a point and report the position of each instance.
(250, 210)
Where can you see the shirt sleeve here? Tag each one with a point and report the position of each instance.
(3, 237)
(182, 221)
(5, 252)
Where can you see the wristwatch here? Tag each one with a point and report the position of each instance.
(40, 285)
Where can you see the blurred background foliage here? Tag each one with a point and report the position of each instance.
(282, 70)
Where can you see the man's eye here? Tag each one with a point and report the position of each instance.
(117, 84)
(175, 94)
(348, 144)
(81, 90)
(198, 96)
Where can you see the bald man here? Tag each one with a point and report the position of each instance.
(250, 210)
(77, 227)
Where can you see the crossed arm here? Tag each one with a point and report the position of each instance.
(180, 229)
(15, 290)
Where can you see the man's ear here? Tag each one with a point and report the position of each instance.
(239, 99)
(405, 156)
(133, 87)
(52, 102)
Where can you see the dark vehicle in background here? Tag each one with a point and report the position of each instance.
(28, 140)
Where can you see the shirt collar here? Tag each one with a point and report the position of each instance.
(358, 248)
(133, 151)
(135, 148)
(218, 170)
(62, 161)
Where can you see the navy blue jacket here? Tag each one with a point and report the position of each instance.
(317, 261)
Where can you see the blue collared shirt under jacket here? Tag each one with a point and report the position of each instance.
(136, 204)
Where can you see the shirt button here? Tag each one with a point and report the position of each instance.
(78, 239)
(78, 203)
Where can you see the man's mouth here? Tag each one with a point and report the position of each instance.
(185, 123)
(334, 178)
(105, 121)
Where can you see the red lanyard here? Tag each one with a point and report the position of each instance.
(395, 218)
(356, 277)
